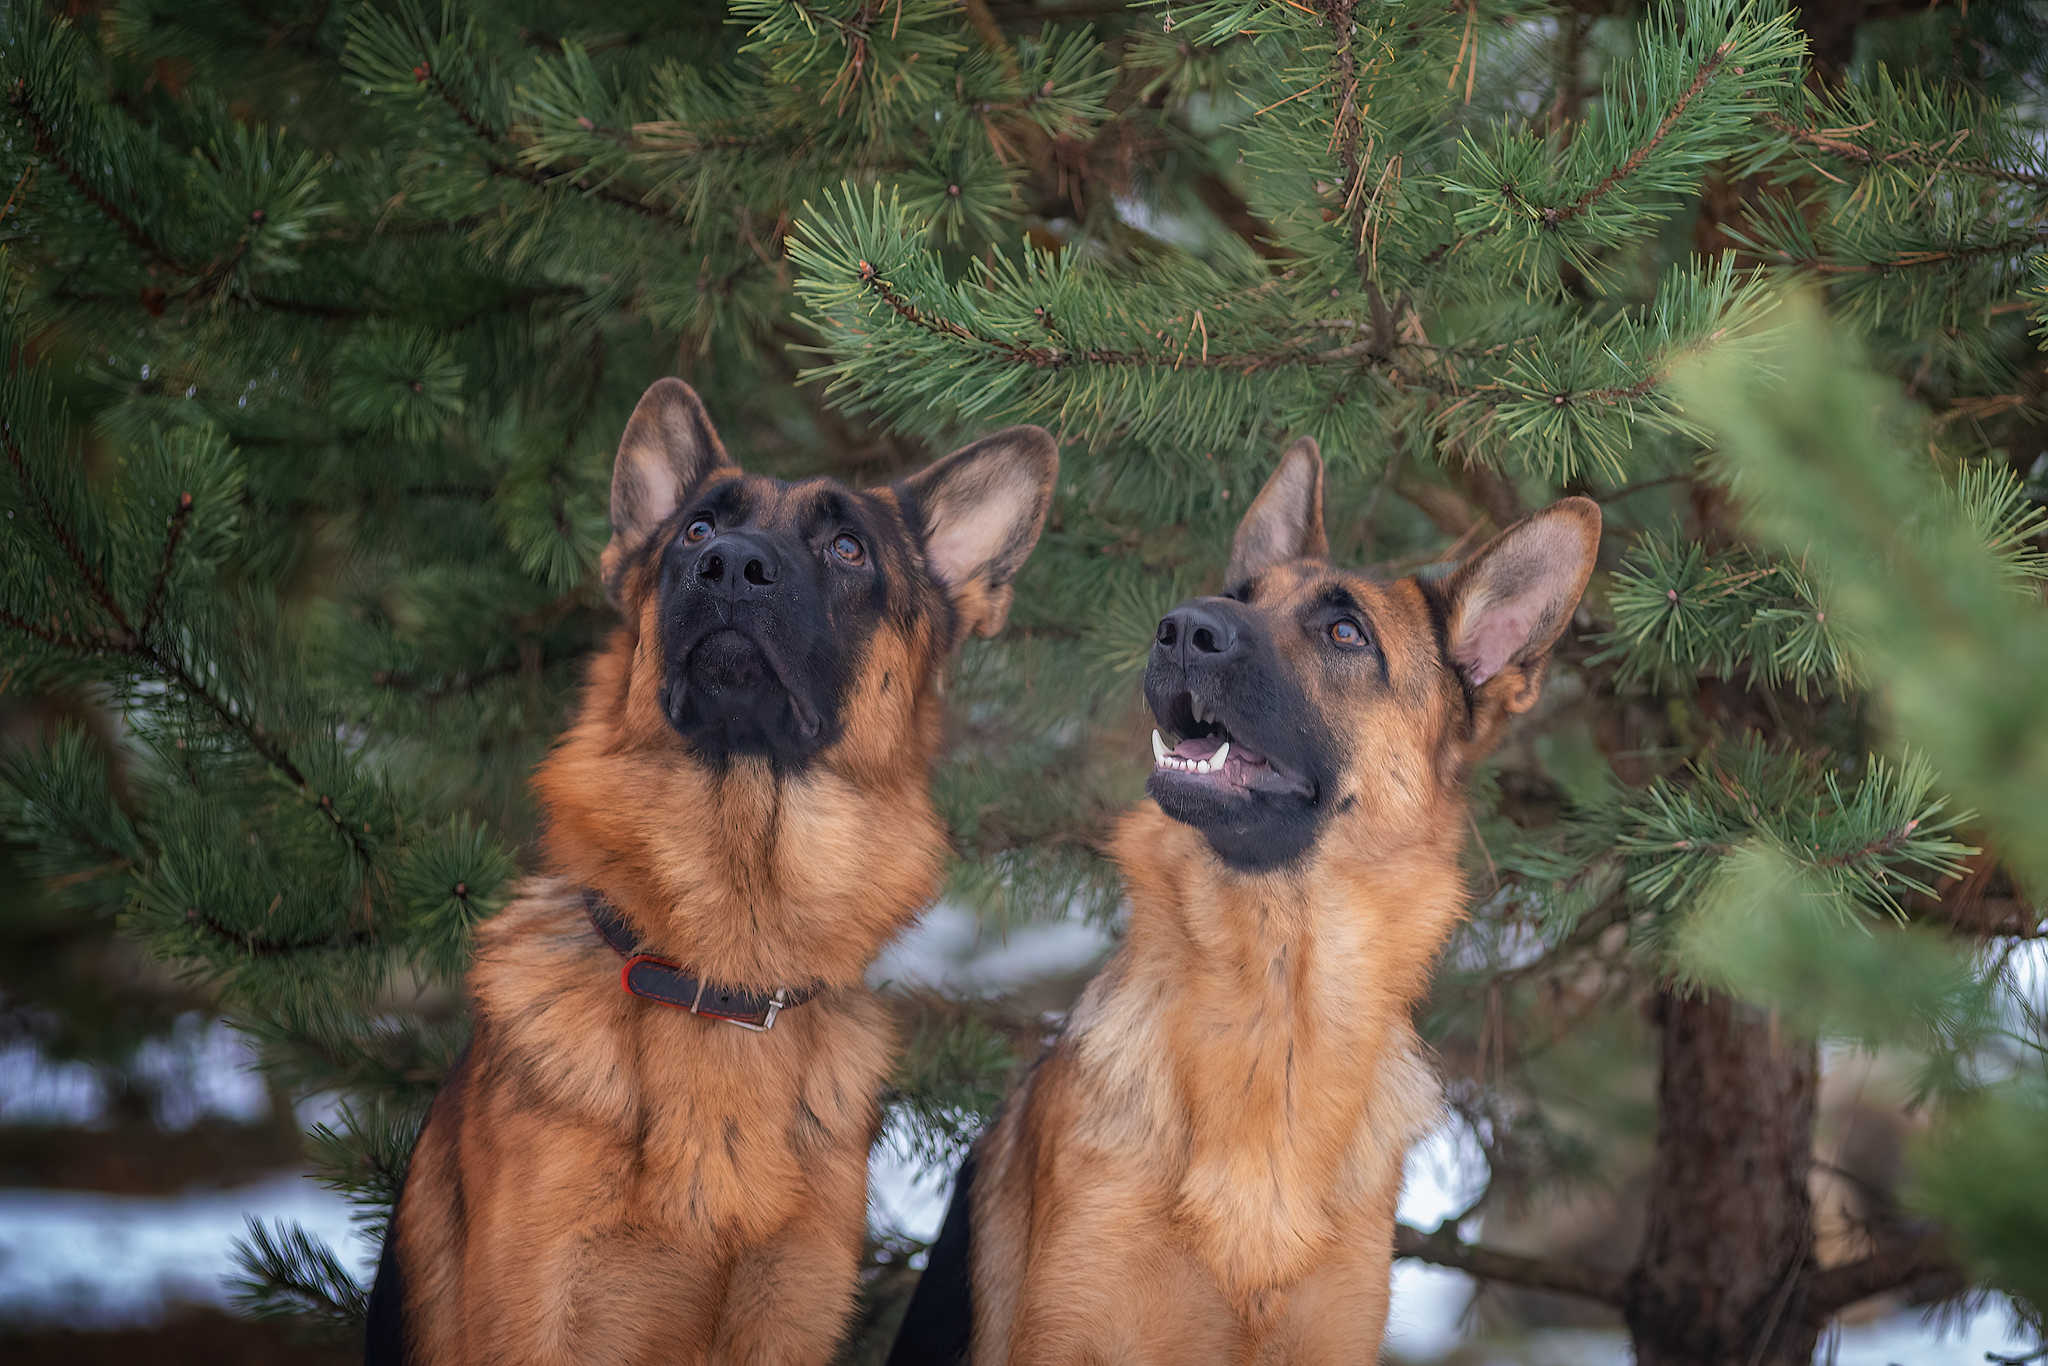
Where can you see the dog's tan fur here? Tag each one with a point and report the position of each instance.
(1205, 1167)
(607, 1180)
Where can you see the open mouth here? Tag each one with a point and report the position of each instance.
(1210, 757)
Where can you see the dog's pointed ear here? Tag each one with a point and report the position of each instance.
(1509, 603)
(1285, 522)
(668, 449)
(981, 509)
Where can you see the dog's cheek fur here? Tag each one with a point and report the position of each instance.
(894, 718)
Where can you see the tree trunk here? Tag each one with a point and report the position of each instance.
(1728, 1252)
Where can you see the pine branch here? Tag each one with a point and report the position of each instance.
(61, 533)
(1917, 260)
(1837, 142)
(255, 946)
(1551, 217)
(289, 1273)
(47, 635)
(540, 179)
(125, 639)
(48, 146)
(1444, 1248)
(1346, 130)
(1241, 362)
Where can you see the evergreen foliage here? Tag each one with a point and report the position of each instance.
(322, 324)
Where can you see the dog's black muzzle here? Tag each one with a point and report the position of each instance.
(750, 663)
(1250, 752)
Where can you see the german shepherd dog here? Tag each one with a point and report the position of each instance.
(1205, 1165)
(738, 818)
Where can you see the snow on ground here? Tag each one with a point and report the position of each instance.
(86, 1259)
(949, 950)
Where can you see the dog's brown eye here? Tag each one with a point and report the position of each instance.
(1345, 631)
(849, 550)
(697, 530)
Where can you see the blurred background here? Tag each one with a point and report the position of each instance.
(322, 318)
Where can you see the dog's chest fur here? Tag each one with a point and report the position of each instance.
(1266, 1044)
(693, 1123)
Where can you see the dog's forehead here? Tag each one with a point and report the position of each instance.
(1296, 583)
(768, 501)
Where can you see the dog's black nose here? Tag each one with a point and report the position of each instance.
(1194, 629)
(736, 564)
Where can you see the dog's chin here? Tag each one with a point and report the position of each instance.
(1250, 830)
(727, 699)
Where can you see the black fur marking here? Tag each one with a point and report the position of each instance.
(384, 1326)
(807, 1132)
(938, 1327)
(384, 1341)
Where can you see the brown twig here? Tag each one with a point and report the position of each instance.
(1444, 1248)
(1914, 260)
(47, 515)
(539, 179)
(1344, 131)
(1912, 153)
(45, 634)
(1900, 1262)
(163, 570)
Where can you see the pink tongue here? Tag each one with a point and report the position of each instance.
(1196, 750)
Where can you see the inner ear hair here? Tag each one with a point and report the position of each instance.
(1510, 602)
(1285, 522)
(668, 448)
(981, 510)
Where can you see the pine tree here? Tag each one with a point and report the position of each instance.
(355, 299)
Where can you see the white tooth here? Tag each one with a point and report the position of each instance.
(1222, 753)
(1202, 766)
(1158, 749)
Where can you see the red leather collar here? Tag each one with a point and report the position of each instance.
(660, 980)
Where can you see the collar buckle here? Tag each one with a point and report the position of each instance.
(775, 1007)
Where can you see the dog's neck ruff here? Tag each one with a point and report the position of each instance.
(660, 980)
